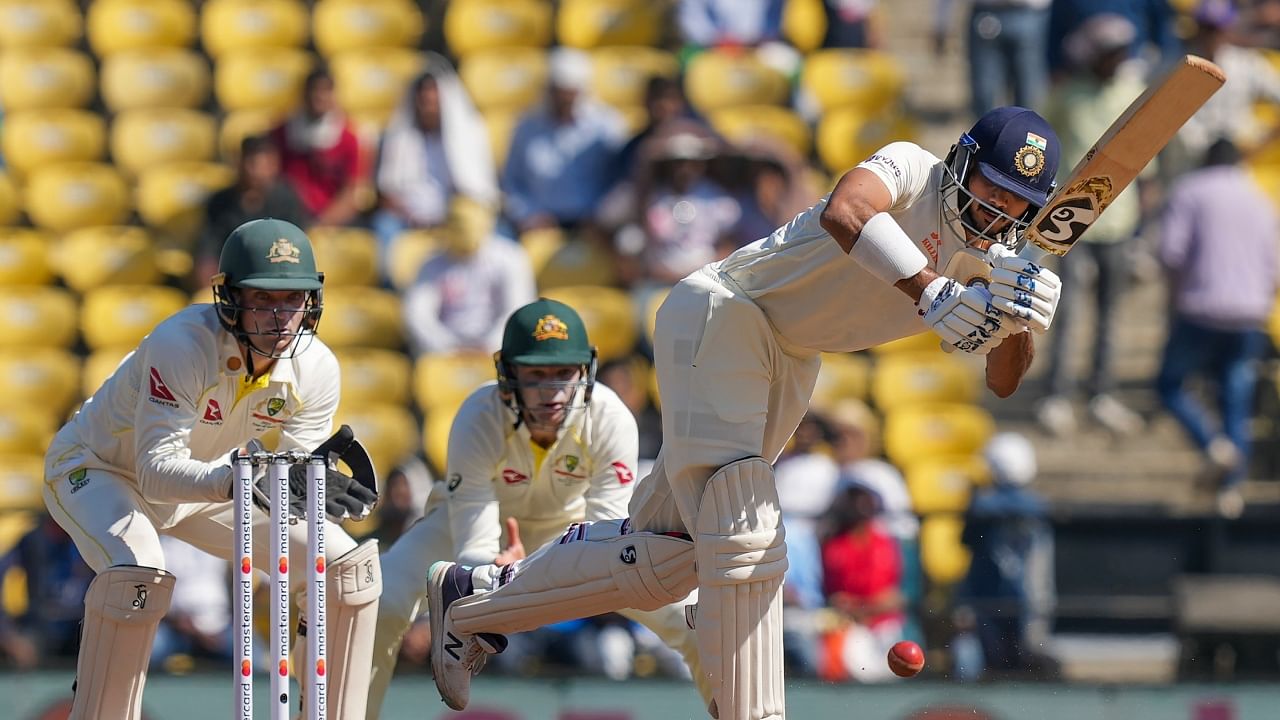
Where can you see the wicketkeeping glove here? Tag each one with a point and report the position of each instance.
(963, 317)
(1026, 290)
(346, 496)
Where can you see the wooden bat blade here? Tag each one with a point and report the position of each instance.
(1137, 136)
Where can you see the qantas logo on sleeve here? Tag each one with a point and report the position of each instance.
(160, 392)
(512, 477)
(212, 413)
(623, 472)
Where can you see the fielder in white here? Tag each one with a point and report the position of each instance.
(150, 454)
(736, 350)
(544, 447)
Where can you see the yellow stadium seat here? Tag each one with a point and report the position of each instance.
(915, 433)
(116, 25)
(39, 23)
(869, 81)
(361, 317)
(142, 139)
(235, 25)
(35, 138)
(117, 315)
(346, 255)
(1273, 324)
(842, 376)
(42, 377)
(407, 254)
(509, 79)
(943, 557)
(39, 78)
(742, 124)
(100, 365)
(22, 481)
(359, 24)
(237, 126)
(944, 484)
(500, 125)
(608, 314)
(575, 261)
(441, 381)
(652, 304)
(907, 379)
(370, 375)
(154, 78)
(10, 203)
(435, 438)
(596, 23)
(923, 343)
(473, 25)
(67, 196)
(24, 257)
(541, 245)
(621, 74)
(26, 428)
(804, 24)
(32, 317)
(717, 80)
(370, 82)
(848, 136)
(171, 197)
(262, 79)
(387, 431)
(106, 255)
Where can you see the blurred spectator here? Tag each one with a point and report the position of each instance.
(564, 153)
(464, 293)
(629, 378)
(259, 192)
(1009, 587)
(805, 475)
(320, 154)
(198, 624)
(1006, 41)
(1218, 246)
(774, 186)
(1251, 79)
(861, 577)
(56, 578)
(397, 506)
(854, 24)
(664, 101)
(716, 23)
(1155, 38)
(1101, 86)
(435, 145)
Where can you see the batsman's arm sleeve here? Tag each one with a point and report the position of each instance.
(318, 389)
(906, 169)
(615, 453)
(476, 444)
(166, 410)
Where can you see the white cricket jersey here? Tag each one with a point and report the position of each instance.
(817, 298)
(587, 475)
(175, 408)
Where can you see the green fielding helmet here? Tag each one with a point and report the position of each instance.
(269, 254)
(546, 332)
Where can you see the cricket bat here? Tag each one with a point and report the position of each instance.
(1132, 141)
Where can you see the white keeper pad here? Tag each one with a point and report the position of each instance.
(742, 557)
(122, 608)
(592, 569)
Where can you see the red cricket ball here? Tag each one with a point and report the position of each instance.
(906, 659)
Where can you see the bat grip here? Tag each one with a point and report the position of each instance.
(1033, 252)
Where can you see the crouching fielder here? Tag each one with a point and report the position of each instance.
(151, 452)
(544, 445)
(736, 350)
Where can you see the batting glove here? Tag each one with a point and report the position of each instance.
(963, 317)
(1024, 289)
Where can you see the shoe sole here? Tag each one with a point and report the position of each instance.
(435, 598)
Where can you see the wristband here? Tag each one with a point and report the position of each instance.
(886, 251)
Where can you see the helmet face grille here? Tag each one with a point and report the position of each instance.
(230, 312)
(957, 204)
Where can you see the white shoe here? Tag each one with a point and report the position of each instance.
(1056, 415)
(1114, 415)
(1230, 503)
(455, 655)
(1223, 453)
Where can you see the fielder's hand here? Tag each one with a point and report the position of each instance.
(1023, 289)
(515, 548)
(963, 317)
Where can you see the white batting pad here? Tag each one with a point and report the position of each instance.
(354, 584)
(742, 557)
(592, 569)
(122, 608)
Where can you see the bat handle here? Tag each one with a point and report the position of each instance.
(1032, 252)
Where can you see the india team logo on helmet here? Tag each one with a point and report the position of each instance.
(550, 327)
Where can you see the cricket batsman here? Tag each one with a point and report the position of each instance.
(544, 447)
(737, 352)
(150, 453)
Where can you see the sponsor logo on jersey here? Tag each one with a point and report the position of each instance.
(623, 472)
(212, 413)
(550, 327)
(283, 251)
(160, 393)
(931, 244)
(78, 478)
(513, 477)
(885, 162)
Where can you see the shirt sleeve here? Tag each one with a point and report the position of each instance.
(320, 390)
(171, 387)
(475, 447)
(615, 445)
(904, 168)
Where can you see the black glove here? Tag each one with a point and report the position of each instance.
(346, 496)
